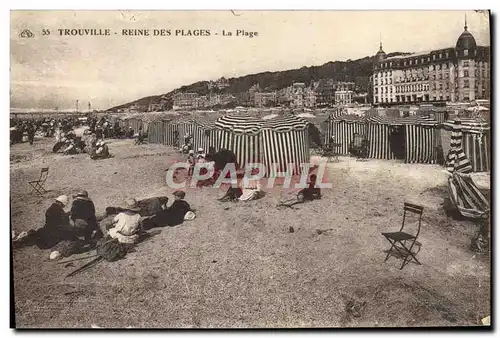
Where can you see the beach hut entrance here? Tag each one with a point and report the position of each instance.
(397, 139)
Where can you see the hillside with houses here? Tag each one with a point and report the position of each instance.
(334, 83)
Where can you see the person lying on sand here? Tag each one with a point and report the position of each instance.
(176, 214)
(307, 194)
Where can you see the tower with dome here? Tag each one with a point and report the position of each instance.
(454, 74)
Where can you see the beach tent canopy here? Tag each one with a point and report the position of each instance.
(274, 142)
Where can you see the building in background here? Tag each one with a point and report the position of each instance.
(453, 74)
(265, 99)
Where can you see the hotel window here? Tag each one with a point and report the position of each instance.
(466, 73)
(422, 61)
(466, 83)
(447, 55)
(466, 63)
(440, 86)
(404, 63)
(466, 52)
(447, 86)
(428, 59)
(440, 55)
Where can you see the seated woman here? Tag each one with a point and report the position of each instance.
(100, 151)
(251, 189)
(127, 224)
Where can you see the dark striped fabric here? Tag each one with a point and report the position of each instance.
(285, 141)
(422, 143)
(378, 135)
(242, 135)
(456, 159)
(204, 135)
(464, 193)
(477, 149)
(474, 140)
(170, 138)
(184, 127)
(343, 129)
(135, 123)
(422, 138)
(467, 197)
(156, 132)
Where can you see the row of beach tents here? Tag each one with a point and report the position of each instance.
(281, 139)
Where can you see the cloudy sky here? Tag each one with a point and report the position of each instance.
(53, 70)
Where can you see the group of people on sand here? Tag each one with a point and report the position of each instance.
(83, 228)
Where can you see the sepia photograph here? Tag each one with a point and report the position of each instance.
(250, 169)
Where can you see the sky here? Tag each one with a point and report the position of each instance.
(48, 71)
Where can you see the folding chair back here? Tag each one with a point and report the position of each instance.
(415, 209)
(38, 184)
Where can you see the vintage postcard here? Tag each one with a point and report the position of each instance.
(250, 169)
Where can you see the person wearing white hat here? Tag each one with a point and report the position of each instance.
(56, 227)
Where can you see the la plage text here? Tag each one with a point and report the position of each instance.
(151, 32)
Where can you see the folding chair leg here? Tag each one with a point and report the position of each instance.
(390, 250)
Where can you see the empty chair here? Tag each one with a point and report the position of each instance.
(402, 242)
(38, 184)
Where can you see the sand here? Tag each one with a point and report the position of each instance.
(238, 265)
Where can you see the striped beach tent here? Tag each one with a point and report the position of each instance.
(135, 123)
(420, 136)
(170, 133)
(242, 135)
(205, 134)
(475, 140)
(285, 141)
(184, 127)
(343, 128)
(156, 131)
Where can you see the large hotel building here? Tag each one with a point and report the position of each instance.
(454, 74)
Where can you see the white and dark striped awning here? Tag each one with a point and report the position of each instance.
(240, 124)
(467, 125)
(413, 120)
(349, 119)
(285, 123)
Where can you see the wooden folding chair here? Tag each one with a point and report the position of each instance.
(399, 240)
(38, 184)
